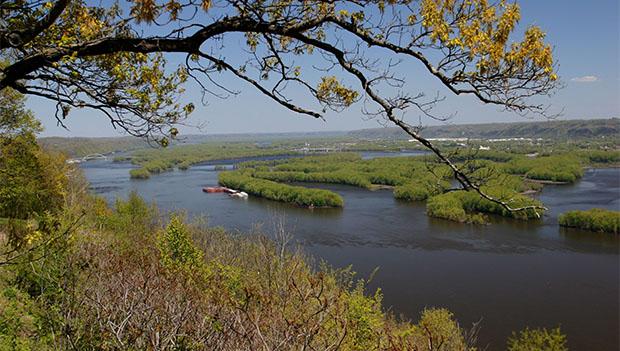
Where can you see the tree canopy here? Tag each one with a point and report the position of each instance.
(112, 57)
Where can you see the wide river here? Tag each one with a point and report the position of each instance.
(508, 275)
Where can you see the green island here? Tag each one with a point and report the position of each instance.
(508, 177)
(595, 219)
(154, 161)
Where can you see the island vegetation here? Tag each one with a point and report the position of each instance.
(154, 161)
(595, 219)
(280, 192)
(508, 177)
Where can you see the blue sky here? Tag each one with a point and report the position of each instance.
(585, 36)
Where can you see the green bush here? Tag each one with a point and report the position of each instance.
(183, 156)
(558, 168)
(176, 247)
(596, 219)
(20, 322)
(469, 206)
(280, 192)
(538, 340)
(421, 189)
(340, 177)
(601, 156)
(437, 327)
(140, 173)
(130, 216)
(447, 206)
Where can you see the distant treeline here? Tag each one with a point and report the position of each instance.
(553, 129)
(80, 147)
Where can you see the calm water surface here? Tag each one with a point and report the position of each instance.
(509, 274)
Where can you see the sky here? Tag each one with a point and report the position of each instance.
(584, 34)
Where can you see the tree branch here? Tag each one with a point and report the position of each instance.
(19, 38)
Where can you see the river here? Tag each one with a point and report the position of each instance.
(507, 275)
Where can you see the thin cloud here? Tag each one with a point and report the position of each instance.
(585, 79)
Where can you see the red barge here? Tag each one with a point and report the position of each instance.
(216, 189)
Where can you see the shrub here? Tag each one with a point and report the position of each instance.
(557, 168)
(139, 173)
(421, 189)
(538, 340)
(596, 219)
(19, 322)
(438, 328)
(341, 177)
(130, 216)
(469, 206)
(176, 248)
(601, 156)
(32, 181)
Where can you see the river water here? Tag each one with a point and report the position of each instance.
(508, 275)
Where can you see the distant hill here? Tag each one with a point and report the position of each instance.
(83, 146)
(567, 129)
(79, 147)
(571, 129)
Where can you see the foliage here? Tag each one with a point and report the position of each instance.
(601, 156)
(176, 247)
(153, 161)
(33, 183)
(280, 192)
(140, 173)
(415, 179)
(15, 119)
(135, 293)
(439, 330)
(366, 317)
(468, 206)
(558, 168)
(20, 322)
(66, 50)
(595, 219)
(350, 169)
(538, 340)
(448, 206)
(531, 132)
(421, 189)
(337, 177)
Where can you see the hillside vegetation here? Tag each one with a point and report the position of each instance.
(553, 129)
